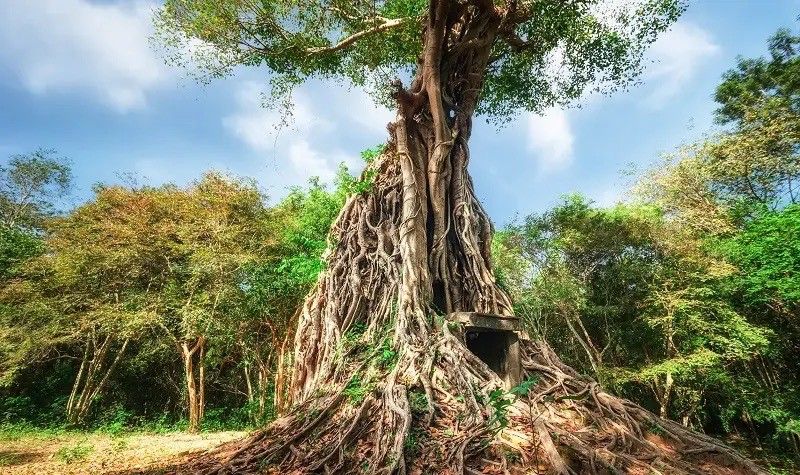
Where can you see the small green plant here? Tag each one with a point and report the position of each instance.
(369, 155)
(387, 357)
(74, 453)
(364, 184)
(351, 341)
(355, 331)
(499, 402)
(418, 402)
(412, 441)
(439, 320)
(524, 388)
(356, 390)
(115, 421)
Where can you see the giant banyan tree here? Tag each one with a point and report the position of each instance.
(384, 379)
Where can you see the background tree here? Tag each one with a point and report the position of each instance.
(83, 319)
(275, 288)
(415, 243)
(755, 81)
(629, 297)
(30, 186)
(738, 191)
(137, 259)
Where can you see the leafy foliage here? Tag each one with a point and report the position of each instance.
(551, 54)
(767, 252)
(157, 266)
(756, 80)
(686, 300)
(30, 184)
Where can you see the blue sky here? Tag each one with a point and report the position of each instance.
(79, 76)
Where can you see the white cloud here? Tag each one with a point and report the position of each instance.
(59, 46)
(260, 127)
(678, 54)
(263, 130)
(366, 113)
(551, 139)
(306, 159)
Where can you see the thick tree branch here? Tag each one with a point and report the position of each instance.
(387, 24)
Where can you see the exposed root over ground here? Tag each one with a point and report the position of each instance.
(565, 424)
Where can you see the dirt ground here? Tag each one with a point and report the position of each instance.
(75, 453)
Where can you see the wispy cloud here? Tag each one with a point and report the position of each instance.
(551, 139)
(64, 46)
(678, 54)
(260, 127)
(265, 130)
(364, 112)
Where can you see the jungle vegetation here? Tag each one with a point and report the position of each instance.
(208, 305)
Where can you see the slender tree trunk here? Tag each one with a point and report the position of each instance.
(663, 393)
(249, 383)
(264, 379)
(595, 357)
(71, 402)
(194, 374)
(92, 377)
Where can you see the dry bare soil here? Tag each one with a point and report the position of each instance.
(78, 453)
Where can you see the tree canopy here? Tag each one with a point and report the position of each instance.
(30, 185)
(546, 52)
(775, 79)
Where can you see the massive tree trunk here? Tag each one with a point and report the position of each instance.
(380, 383)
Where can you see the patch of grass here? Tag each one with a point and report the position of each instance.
(12, 432)
(163, 425)
(8, 459)
(120, 444)
(74, 453)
